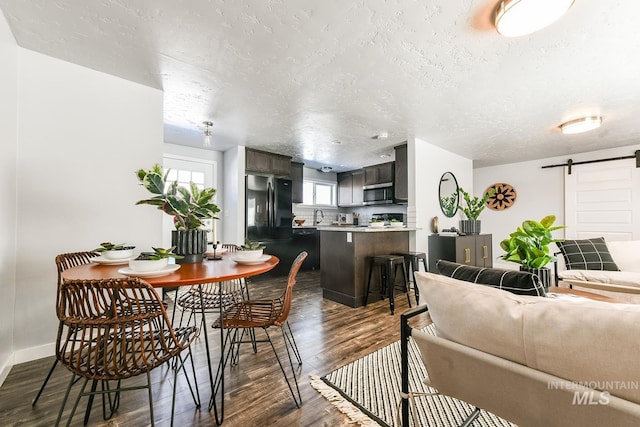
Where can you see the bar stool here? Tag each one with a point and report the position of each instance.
(412, 263)
(388, 266)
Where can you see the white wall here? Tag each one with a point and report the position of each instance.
(540, 192)
(8, 196)
(81, 137)
(427, 163)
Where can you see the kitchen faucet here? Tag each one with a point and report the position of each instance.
(315, 216)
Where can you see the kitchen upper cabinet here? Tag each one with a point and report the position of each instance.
(401, 183)
(358, 183)
(468, 250)
(297, 178)
(262, 161)
(281, 165)
(350, 188)
(379, 174)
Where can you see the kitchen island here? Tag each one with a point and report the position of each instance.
(344, 258)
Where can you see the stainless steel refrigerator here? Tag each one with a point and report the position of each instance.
(268, 217)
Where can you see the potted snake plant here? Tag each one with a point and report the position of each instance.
(189, 207)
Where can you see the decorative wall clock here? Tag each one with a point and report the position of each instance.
(504, 196)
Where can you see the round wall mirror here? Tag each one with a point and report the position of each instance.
(448, 193)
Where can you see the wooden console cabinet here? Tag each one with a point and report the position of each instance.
(468, 250)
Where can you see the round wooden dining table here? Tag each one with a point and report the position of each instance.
(208, 271)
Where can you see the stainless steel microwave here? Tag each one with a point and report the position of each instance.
(378, 194)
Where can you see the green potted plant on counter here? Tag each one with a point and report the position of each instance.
(189, 207)
(474, 207)
(529, 247)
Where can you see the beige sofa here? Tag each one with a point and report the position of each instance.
(534, 361)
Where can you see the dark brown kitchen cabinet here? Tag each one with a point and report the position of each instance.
(358, 182)
(350, 188)
(297, 179)
(379, 174)
(271, 163)
(468, 250)
(401, 183)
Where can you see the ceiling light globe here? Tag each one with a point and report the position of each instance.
(515, 18)
(583, 124)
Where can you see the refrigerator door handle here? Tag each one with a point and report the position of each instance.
(269, 206)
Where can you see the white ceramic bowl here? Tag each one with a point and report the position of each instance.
(396, 224)
(119, 254)
(246, 255)
(142, 265)
(377, 224)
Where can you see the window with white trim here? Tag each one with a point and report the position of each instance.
(318, 193)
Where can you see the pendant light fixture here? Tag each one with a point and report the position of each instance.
(207, 133)
(583, 124)
(515, 18)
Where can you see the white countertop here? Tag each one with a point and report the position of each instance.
(351, 228)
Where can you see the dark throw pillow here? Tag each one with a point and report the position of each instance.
(587, 254)
(517, 282)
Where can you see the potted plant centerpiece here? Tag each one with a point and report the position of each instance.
(153, 261)
(189, 207)
(529, 247)
(251, 250)
(115, 251)
(472, 210)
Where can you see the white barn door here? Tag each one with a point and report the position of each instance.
(603, 200)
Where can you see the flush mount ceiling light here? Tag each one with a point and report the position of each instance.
(207, 133)
(326, 169)
(583, 124)
(515, 18)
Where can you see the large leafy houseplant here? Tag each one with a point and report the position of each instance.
(190, 207)
(529, 244)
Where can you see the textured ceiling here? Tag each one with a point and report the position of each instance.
(318, 79)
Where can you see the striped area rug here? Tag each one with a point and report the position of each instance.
(368, 391)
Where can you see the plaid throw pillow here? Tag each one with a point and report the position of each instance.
(587, 254)
(516, 282)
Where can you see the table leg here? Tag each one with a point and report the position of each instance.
(206, 341)
(218, 385)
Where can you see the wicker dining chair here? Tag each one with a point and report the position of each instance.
(64, 262)
(264, 313)
(230, 247)
(110, 334)
(208, 296)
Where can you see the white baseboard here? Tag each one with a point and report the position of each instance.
(6, 368)
(22, 356)
(34, 353)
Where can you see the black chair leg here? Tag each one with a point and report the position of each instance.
(297, 399)
(65, 398)
(405, 274)
(391, 280)
(44, 384)
(366, 294)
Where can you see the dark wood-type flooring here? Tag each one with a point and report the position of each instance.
(329, 335)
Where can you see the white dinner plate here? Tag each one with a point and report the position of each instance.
(127, 271)
(263, 258)
(102, 260)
